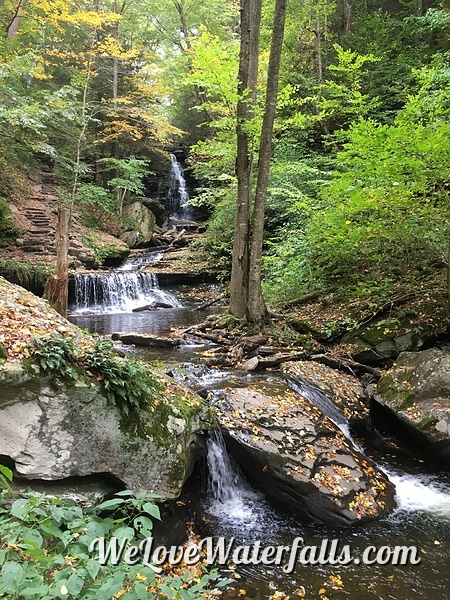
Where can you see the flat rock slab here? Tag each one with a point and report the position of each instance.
(344, 390)
(300, 457)
(146, 339)
(417, 391)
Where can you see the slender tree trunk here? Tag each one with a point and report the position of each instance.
(59, 282)
(348, 16)
(14, 24)
(256, 310)
(84, 124)
(248, 76)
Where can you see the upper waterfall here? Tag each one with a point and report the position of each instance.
(178, 195)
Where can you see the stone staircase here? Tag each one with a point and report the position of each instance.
(39, 232)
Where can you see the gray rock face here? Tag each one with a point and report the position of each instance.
(143, 223)
(417, 391)
(162, 215)
(53, 434)
(300, 457)
(345, 390)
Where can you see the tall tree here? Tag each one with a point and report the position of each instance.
(256, 309)
(246, 299)
(247, 82)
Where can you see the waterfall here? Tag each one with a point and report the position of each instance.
(118, 292)
(178, 195)
(230, 495)
(326, 405)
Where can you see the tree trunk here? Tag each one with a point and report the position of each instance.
(59, 282)
(13, 26)
(247, 82)
(256, 310)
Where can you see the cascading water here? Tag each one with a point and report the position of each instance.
(136, 263)
(118, 292)
(325, 404)
(178, 195)
(230, 495)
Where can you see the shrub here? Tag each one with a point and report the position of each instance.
(46, 552)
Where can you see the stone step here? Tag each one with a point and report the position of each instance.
(40, 230)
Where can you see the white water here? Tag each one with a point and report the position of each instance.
(178, 194)
(118, 292)
(230, 496)
(136, 263)
(420, 493)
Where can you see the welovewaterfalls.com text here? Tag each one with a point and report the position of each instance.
(222, 551)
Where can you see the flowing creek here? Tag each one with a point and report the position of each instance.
(229, 505)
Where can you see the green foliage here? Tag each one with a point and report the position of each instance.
(46, 551)
(33, 277)
(94, 203)
(125, 382)
(8, 229)
(55, 355)
(219, 234)
(6, 476)
(130, 172)
(389, 198)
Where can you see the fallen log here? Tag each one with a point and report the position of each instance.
(211, 302)
(144, 339)
(258, 363)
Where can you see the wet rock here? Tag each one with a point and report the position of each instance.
(141, 234)
(162, 215)
(417, 391)
(53, 434)
(153, 306)
(300, 457)
(146, 339)
(344, 390)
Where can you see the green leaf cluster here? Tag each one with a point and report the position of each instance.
(127, 383)
(46, 551)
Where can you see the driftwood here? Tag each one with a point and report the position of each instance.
(347, 365)
(216, 338)
(304, 299)
(258, 363)
(211, 302)
(175, 239)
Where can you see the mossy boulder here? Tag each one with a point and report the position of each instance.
(140, 225)
(54, 432)
(417, 391)
(53, 429)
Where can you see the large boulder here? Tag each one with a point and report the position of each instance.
(161, 213)
(417, 391)
(343, 389)
(57, 432)
(141, 225)
(300, 457)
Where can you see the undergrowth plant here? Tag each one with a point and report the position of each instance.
(47, 551)
(126, 382)
(55, 355)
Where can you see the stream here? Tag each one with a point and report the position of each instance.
(229, 505)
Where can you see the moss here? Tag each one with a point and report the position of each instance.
(32, 277)
(427, 422)
(8, 228)
(3, 353)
